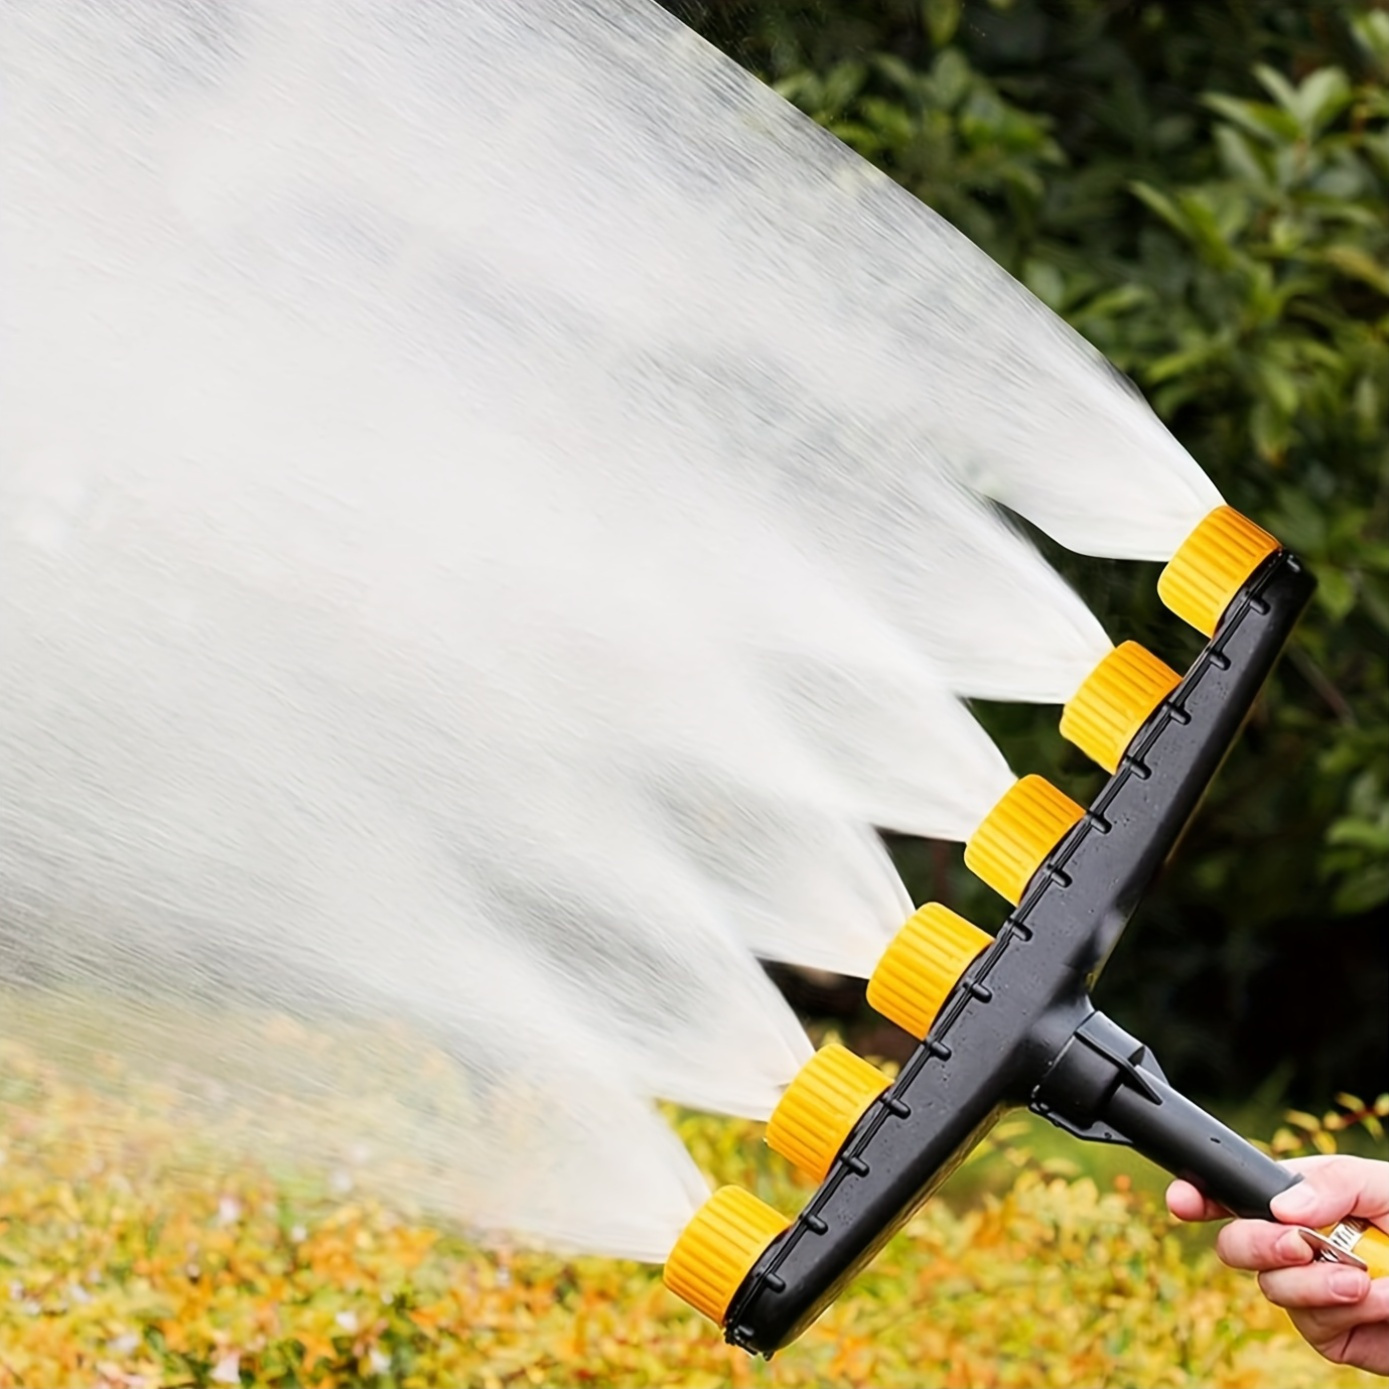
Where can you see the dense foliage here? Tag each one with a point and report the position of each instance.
(1203, 191)
(124, 1270)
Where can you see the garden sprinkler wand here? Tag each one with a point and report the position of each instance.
(1007, 1021)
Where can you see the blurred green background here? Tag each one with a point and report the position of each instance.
(1202, 190)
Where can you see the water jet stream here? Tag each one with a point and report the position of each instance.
(495, 507)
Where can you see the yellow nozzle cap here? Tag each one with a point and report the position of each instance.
(1115, 701)
(1018, 833)
(827, 1098)
(923, 963)
(718, 1247)
(1212, 565)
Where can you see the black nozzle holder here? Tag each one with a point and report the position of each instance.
(1019, 1027)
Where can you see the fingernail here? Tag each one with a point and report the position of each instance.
(1295, 1201)
(1348, 1284)
(1293, 1247)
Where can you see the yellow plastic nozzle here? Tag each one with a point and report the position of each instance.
(1018, 833)
(1352, 1240)
(1366, 1242)
(718, 1248)
(1212, 565)
(824, 1102)
(1115, 701)
(923, 963)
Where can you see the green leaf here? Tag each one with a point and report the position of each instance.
(951, 77)
(857, 136)
(1372, 34)
(1185, 362)
(890, 121)
(1207, 217)
(942, 18)
(1358, 264)
(1270, 432)
(1278, 87)
(1163, 206)
(1120, 300)
(842, 84)
(1279, 385)
(1335, 593)
(898, 72)
(1266, 123)
(1046, 282)
(1323, 95)
(1362, 891)
(800, 88)
(1239, 157)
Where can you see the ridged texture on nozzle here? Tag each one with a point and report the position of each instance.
(1212, 565)
(826, 1099)
(1115, 701)
(718, 1248)
(923, 963)
(1018, 833)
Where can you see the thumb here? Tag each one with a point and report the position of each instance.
(1332, 1188)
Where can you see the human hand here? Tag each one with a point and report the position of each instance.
(1340, 1310)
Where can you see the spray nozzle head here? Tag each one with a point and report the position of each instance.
(1118, 697)
(1013, 839)
(1213, 563)
(821, 1106)
(716, 1250)
(922, 964)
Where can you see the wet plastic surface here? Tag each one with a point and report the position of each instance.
(1020, 1029)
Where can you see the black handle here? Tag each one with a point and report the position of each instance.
(1180, 1136)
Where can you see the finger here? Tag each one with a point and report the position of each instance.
(1261, 1245)
(1333, 1187)
(1365, 1347)
(1187, 1203)
(1319, 1286)
(1330, 1328)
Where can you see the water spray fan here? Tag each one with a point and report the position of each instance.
(1007, 1021)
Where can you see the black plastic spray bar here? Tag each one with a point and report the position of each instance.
(1007, 1021)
